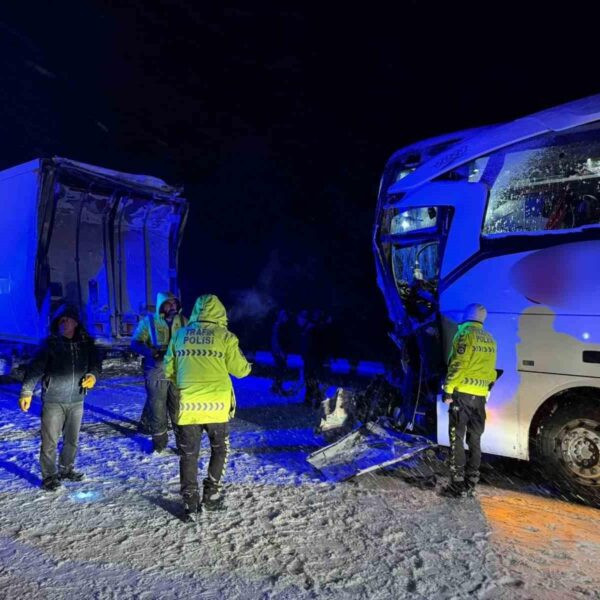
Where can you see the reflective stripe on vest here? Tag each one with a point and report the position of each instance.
(152, 326)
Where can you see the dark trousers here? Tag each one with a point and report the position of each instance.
(466, 417)
(279, 375)
(59, 418)
(160, 406)
(313, 396)
(313, 374)
(188, 443)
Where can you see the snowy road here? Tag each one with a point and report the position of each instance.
(286, 533)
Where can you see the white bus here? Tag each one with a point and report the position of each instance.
(508, 216)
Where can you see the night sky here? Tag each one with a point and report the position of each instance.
(278, 120)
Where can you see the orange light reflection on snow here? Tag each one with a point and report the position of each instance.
(549, 533)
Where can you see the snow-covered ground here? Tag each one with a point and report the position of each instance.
(286, 534)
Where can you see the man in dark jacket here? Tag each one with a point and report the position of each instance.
(68, 364)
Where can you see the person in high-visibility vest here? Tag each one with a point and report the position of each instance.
(150, 339)
(199, 361)
(470, 377)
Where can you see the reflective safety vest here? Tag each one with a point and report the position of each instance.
(153, 331)
(199, 361)
(472, 361)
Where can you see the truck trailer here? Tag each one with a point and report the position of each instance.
(103, 241)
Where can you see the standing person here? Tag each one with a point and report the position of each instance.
(68, 364)
(280, 346)
(150, 339)
(297, 333)
(200, 359)
(313, 356)
(471, 375)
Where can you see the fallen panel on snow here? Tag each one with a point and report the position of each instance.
(372, 446)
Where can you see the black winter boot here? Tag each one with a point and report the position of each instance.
(470, 489)
(71, 475)
(191, 505)
(455, 489)
(51, 484)
(159, 442)
(213, 500)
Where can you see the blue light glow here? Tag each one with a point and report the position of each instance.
(86, 496)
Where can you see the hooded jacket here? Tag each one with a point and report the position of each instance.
(200, 359)
(153, 332)
(62, 363)
(472, 361)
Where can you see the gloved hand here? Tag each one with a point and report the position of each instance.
(88, 382)
(25, 402)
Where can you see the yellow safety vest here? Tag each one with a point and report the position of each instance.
(199, 361)
(472, 360)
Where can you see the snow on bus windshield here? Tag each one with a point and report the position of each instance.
(549, 183)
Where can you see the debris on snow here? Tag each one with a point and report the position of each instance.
(285, 533)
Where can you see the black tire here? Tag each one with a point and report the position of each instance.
(568, 448)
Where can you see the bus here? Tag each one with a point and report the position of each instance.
(507, 216)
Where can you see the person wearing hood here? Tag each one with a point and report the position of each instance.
(150, 339)
(199, 361)
(68, 364)
(470, 377)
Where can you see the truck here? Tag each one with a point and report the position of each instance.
(507, 216)
(101, 240)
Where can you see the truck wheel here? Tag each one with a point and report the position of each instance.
(568, 447)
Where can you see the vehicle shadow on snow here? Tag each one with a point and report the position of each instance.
(107, 427)
(283, 431)
(496, 472)
(520, 476)
(111, 414)
(11, 467)
(281, 416)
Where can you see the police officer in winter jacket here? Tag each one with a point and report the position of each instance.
(200, 359)
(68, 364)
(150, 339)
(471, 375)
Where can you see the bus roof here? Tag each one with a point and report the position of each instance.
(469, 144)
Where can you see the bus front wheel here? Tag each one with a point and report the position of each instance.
(568, 447)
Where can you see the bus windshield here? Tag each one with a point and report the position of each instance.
(549, 183)
(411, 243)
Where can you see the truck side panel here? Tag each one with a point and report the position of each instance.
(19, 313)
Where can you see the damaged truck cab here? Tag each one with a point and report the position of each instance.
(101, 240)
(507, 216)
